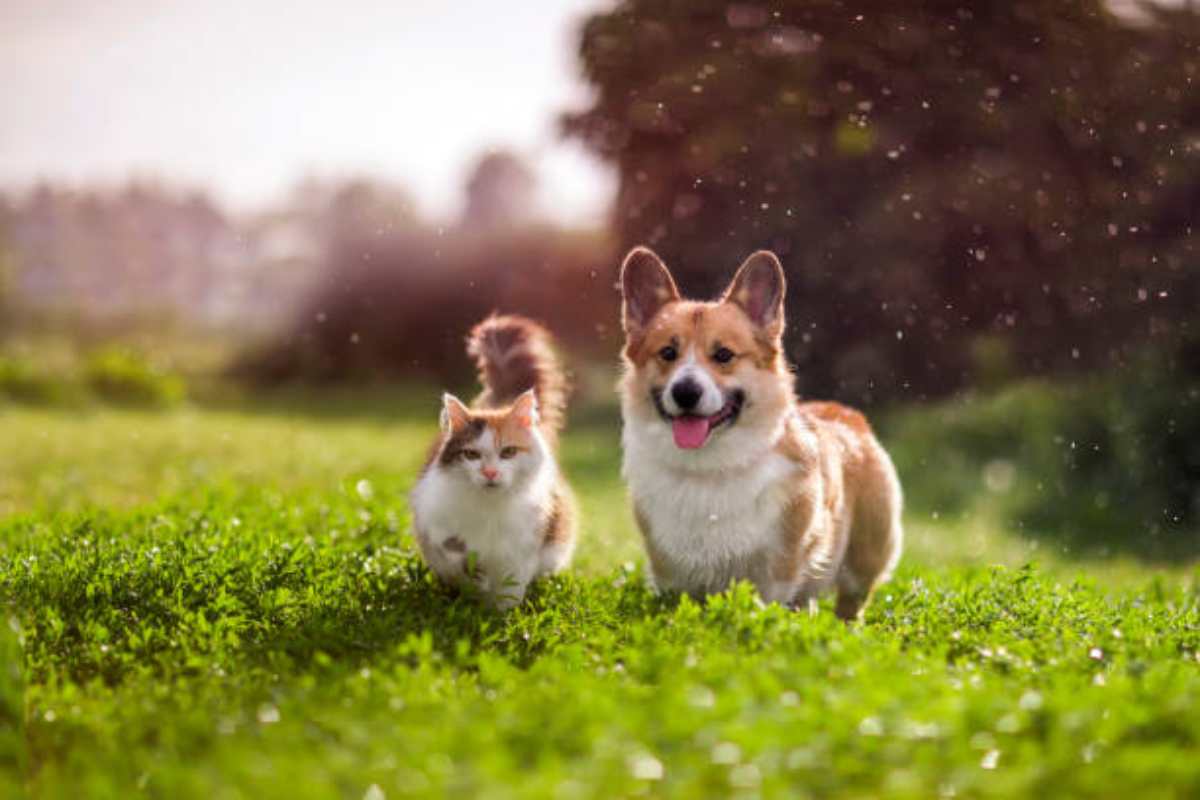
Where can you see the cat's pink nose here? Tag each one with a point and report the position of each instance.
(490, 473)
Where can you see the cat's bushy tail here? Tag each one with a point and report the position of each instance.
(514, 354)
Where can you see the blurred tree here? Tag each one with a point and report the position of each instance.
(930, 172)
(139, 251)
(499, 193)
(8, 294)
(394, 297)
(7, 300)
(363, 208)
(398, 306)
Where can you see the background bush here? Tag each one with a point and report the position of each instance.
(120, 375)
(21, 381)
(1104, 464)
(399, 304)
(115, 374)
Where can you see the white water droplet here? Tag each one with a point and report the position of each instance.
(646, 767)
(745, 776)
(726, 753)
(871, 726)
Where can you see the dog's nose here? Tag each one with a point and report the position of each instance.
(686, 394)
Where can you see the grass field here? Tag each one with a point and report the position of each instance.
(225, 603)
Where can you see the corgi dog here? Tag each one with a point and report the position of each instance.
(731, 477)
(491, 508)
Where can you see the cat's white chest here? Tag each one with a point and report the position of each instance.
(501, 531)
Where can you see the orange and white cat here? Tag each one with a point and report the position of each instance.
(491, 508)
(732, 478)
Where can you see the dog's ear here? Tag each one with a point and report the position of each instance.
(646, 286)
(758, 289)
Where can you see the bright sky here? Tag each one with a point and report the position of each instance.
(245, 97)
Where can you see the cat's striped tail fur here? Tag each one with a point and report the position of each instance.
(514, 354)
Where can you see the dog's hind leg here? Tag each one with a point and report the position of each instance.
(875, 537)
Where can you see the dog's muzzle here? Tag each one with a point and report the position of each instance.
(692, 431)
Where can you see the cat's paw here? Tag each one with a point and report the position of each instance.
(449, 558)
(454, 551)
(507, 599)
(471, 568)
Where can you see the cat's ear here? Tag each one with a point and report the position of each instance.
(455, 415)
(525, 410)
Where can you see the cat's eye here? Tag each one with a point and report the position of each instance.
(508, 452)
(470, 455)
(723, 355)
(668, 353)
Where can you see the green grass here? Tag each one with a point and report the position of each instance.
(225, 603)
(1097, 467)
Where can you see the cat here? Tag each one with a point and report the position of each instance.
(491, 509)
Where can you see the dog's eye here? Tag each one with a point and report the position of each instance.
(470, 455)
(668, 353)
(508, 452)
(723, 355)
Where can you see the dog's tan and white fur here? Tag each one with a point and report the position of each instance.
(731, 476)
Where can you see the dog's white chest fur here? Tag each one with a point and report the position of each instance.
(708, 529)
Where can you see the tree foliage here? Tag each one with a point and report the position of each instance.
(944, 181)
(396, 295)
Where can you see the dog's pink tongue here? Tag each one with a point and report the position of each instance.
(690, 432)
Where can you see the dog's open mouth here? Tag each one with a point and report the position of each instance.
(692, 431)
